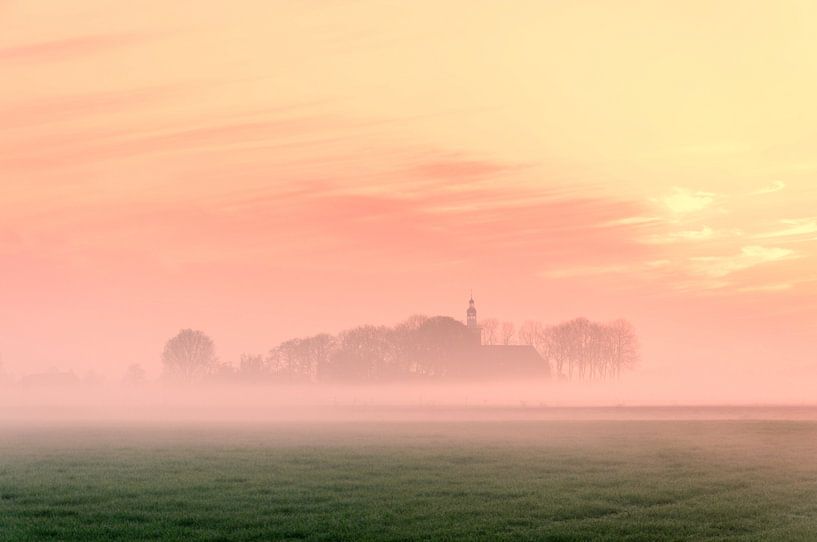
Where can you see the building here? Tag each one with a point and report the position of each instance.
(493, 361)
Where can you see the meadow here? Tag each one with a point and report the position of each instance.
(476, 480)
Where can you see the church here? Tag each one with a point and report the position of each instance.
(500, 360)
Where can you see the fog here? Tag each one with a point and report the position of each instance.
(634, 397)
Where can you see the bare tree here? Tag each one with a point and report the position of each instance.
(557, 341)
(490, 331)
(223, 371)
(437, 347)
(529, 333)
(309, 358)
(252, 366)
(508, 330)
(623, 345)
(285, 360)
(413, 322)
(365, 353)
(135, 375)
(589, 350)
(188, 355)
(317, 351)
(419, 347)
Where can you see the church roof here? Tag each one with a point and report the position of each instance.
(510, 361)
(510, 353)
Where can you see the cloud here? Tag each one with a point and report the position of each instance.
(685, 201)
(687, 235)
(609, 269)
(794, 227)
(704, 234)
(632, 221)
(715, 148)
(776, 186)
(324, 214)
(749, 256)
(66, 48)
(117, 142)
(583, 271)
(35, 111)
(777, 287)
(462, 169)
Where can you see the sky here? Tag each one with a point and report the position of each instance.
(262, 170)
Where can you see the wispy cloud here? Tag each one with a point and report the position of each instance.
(776, 186)
(714, 148)
(38, 110)
(583, 271)
(749, 256)
(67, 47)
(683, 201)
(776, 287)
(633, 221)
(792, 228)
(455, 169)
(685, 236)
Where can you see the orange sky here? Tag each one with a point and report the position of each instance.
(284, 168)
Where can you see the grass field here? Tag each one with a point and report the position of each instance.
(533, 480)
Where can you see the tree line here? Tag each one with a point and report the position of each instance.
(419, 348)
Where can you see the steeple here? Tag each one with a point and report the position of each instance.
(471, 322)
(471, 314)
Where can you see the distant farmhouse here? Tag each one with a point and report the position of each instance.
(494, 360)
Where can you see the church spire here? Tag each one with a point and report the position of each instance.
(471, 313)
(471, 321)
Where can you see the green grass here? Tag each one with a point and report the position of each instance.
(608, 480)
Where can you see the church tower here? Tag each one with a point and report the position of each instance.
(471, 321)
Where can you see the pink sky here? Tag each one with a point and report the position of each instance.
(275, 169)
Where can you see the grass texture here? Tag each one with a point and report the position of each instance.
(606, 480)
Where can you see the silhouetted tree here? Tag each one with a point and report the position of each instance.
(557, 341)
(529, 332)
(418, 347)
(307, 359)
(588, 350)
(317, 353)
(252, 367)
(508, 330)
(223, 371)
(411, 323)
(188, 355)
(135, 375)
(365, 353)
(490, 331)
(623, 345)
(285, 360)
(438, 346)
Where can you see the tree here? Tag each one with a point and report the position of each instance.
(589, 350)
(285, 360)
(557, 341)
(252, 367)
(437, 347)
(530, 333)
(188, 355)
(223, 371)
(135, 375)
(581, 343)
(490, 331)
(623, 345)
(411, 323)
(365, 353)
(508, 330)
